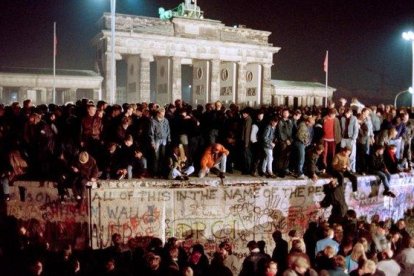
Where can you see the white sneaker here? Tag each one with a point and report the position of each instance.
(78, 197)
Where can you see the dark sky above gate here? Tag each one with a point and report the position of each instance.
(363, 37)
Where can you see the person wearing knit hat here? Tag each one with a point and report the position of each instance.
(85, 170)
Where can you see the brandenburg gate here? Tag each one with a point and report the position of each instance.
(231, 64)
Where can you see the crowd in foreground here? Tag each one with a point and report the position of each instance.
(351, 247)
(79, 143)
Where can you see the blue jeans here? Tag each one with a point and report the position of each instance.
(267, 166)
(385, 177)
(300, 149)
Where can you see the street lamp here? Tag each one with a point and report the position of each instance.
(112, 89)
(410, 37)
(410, 90)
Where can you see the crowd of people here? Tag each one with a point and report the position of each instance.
(351, 247)
(76, 144)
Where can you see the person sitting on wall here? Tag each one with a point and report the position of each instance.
(131, 160)
(377, 167)
(85, 170)
(392, 164)
(341, 168)
(214, 159)
(179, 169)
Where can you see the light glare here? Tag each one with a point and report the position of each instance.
(408, 35)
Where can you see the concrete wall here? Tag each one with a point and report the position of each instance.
(242, 209)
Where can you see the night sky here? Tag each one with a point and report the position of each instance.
(366, 50)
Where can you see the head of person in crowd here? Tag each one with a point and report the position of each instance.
(358, 252)
(365, 112)
(152, 261)
(160, 113)
(274, 120)
(401, 225)
(179, 104)
(83, 157)
(348, 113)
(394, 236)
(301, 265)
(339, 262)
(262, 246)
(252, 246)
(332, 113)
(285, 113)
(128, 110)
(345, 151)
(225, 249)
(188, 271)
(298, 246)
(116, 240)
(366, 267)
(110, 265)
(297, 115)
(196, 253)
(155, 245)
(36, 268)
(91, 110)
(101, 105)
(218, 106)
(174, 252)
(277, 236)
(246, 112)
(270, 268)
(34, 118)
(310, 121)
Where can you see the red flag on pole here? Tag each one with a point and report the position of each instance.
(325, 63)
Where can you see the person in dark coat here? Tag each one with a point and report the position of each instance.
(131, 160)
(312, 169)
(281, 250)
(377, 167)
(253, 262)
(198, 261)
(335, 196)
(217, 266)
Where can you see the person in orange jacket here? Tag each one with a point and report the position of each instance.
(214, 157)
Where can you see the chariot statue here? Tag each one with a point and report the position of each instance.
(187, 9)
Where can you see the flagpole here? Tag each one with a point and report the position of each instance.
(54, 63)
(326, 79)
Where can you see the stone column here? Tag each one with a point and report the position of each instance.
(22, 94)
(144, 79)
(1, 94)
(241, 83)
(302, 101)
(176, 79)
(70, 95)
(97, 94)
(215, 81)
(47, 95)
(267, 84)
(319, 101)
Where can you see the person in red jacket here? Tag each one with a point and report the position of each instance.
(215, 157)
